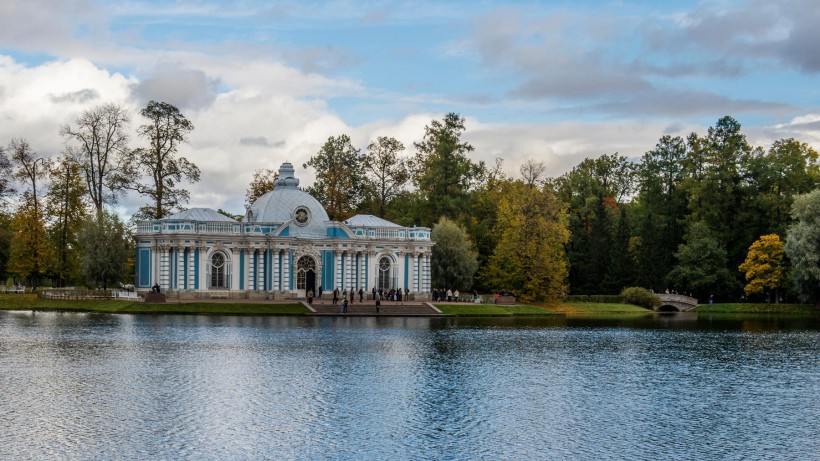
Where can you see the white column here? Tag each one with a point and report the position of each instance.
(164, 270)
(411, 277)
(275, 280)
(180, 268)
(362, 270)
(286, 270)
(203, 269)
(400, 278)
(154, 264)
(258, 269)
(426, 276)
(234, 268)
(337, 270)
(374, 270)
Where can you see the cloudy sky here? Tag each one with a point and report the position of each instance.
(266, 82)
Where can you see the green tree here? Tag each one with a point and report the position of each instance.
(620, 273)
(659, 208)
(67, 208)
(98, 142)
(443, 174)
(788, 168)
(802, 246)
(340, 177)
(106, 248)
(261, 183)
(530, 258)
(719, 193)
(701, 265)
(29, 252)
(453, 261)
(482, 219)
(159, 163)
(592, 190)
(388, 172)
(764, 268)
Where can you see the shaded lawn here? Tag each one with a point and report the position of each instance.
(32, 302)
(597, 308)
(493, 309)
(757, 308)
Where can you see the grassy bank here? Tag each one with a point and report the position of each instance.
(757, 308)
(469, 309)
(597, 309)
(32, 302)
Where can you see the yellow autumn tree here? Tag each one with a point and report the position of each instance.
(30, 252)
(763, 268)
(530, 259)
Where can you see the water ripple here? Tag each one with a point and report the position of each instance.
(90, 386)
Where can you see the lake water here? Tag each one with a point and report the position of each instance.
(99, 386)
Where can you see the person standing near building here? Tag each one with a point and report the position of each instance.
(310, 297)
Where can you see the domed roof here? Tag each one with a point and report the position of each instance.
(286, 202)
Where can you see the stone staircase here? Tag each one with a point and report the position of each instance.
(409, 308)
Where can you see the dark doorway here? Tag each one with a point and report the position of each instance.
(310, 282)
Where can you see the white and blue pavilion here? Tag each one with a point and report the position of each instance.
(283, 247)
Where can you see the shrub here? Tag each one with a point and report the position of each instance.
(640, 297)
(577, 299)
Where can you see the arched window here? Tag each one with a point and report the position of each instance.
(305, 273)
(218, 270)
(385, 273)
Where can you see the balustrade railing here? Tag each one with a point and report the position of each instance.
(219, 228)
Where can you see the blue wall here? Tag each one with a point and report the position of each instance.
(144, 267)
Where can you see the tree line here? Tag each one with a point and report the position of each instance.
(707, 215)
(60, 224)
(693, 215)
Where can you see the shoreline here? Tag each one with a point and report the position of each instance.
(18, 302)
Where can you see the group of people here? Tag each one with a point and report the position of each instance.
(442, 295)
(349, 295)
(345, 295)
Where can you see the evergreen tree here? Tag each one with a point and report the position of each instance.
(660, 209)
(444, 174)
(620, 273)
(701, 266)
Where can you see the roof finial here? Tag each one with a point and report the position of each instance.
(286, 177)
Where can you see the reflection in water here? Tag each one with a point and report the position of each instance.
(80, 386)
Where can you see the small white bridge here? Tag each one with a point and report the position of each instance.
(676, 303)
